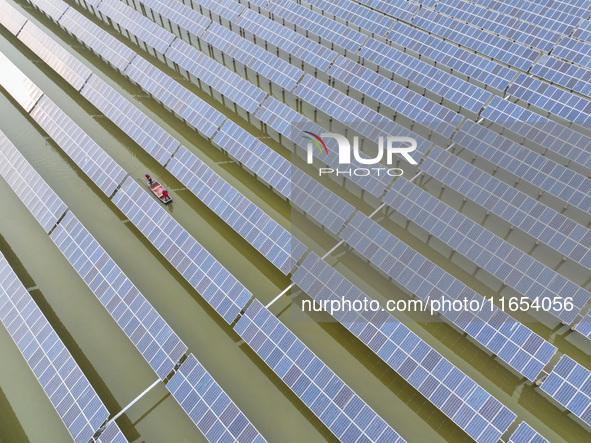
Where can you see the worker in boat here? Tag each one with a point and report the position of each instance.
(165, 194)
(149, 179)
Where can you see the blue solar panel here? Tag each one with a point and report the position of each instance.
(400, 9)
(253, 224)
(574, 51)
(513, 267)
(342, 411)
(290, 124)
(473, 409)
(186, 105)
(54, 9)
(569, 384)
(11, 18)
(205, 71)
(209, 407)
(499, 48)
(112, 434)
(583, 31)
(216, 9)
(402, 66)
(511, 341)
(542, 172)
(29, 186)
(252, 56)
(402, 100)
(310, 23)
(584, 326)
(526, 434)
(539, 130)
(215, 284)
(526, 213)
(68, 389)
(82, 149)
(350, 112)
(551, 99)
(443, 53)
(18, 85)
(303, 191)
(572, 77)
(146, 329)
(292, 43)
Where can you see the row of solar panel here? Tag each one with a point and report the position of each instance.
(468, 405)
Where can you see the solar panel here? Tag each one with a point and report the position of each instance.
(526, 434)
(100, 42)
(584, 326)
(40, 200)
(574, 51)
(18, 85)
(570, 385)
(68, 389)
(215, 284)
(526, 213)
(290, 125)
(253, 224)
(112, 434)
(397, 8)
(539, 130)
(551, 99)
(82, 149)
(54, 9)
(353, 114)
(303, 191)
(186, 105)
(210, 408)
(499, 48)
(468, 405)
(502, 335)
(179, 19)
(341, 410)
(146, 329)
(583, 31)
(60, 60)
(137, 125)
(268, 32)
(264, 63)
(542, 172)
(311, 23)
(402, 100)
(135, 24)
(510, 265)
(11, 18)
(217, 9)
(428, 46)
(363, 18)
(512, 28)
(408, 69)
(572, 77)
(205, 71)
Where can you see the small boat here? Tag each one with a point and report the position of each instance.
(157, 189)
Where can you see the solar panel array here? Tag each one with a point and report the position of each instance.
(473, 66)
(112, 434)
(60, 60)
(146, 329)
(572, 77)
(268, 65)
(68, 389)
(290, 125)
(215, 284)
(11, 18)
(82, 149)
(359, 117)
(289, 41)
(228, 9)
(304, 192)
(513, 267)
(584, 326)
(473, 409)
(515, 344)
(310, 23)
(526, 213)
(583, 31)
(53, 9)
(533, 127)
(18, 85)
(137, 125)
(542, 172)
(210, 408)
(402, 100)
(417, 72)
(347, 416)
(569, 384)
(526, 434)
(38, 197)
(396, 8)
(574, 51)
(252, 223)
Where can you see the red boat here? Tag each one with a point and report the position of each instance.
(158, 189)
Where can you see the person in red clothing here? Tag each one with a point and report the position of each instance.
(165, 194)
(149, 179)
